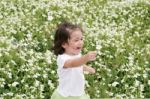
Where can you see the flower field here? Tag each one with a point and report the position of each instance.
(119, 30)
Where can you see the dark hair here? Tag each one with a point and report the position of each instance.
(62, 35)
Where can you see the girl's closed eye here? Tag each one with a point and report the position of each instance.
(76, 40)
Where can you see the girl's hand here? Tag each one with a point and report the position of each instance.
(91, 55)
(89, 69)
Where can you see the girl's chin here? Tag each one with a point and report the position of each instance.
(77, 52)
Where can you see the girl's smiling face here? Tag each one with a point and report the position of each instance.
(75, 43)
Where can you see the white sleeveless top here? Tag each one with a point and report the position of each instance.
(71, 80)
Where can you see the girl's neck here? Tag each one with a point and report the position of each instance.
(70, 54)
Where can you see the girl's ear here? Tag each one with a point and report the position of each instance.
(64, 45)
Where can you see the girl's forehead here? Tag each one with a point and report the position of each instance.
(76, 33)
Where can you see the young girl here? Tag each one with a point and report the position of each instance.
(68, 43)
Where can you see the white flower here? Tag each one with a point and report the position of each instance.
(48, 55)
(145, 75)
(98, 47)
(45, 75)
(51, 84)
(148, 82)
(136, 75)
(137, 83)
(37, 83)
(114, 84)
(2, 85)
(50, 17)
(9, 94)
(52, 71)
(9, 74)
(29, 36)
(109, 93)
(13, 62)
(97, 91)
(14, 84)
(0, 54)
(36, 75)
(142, 87)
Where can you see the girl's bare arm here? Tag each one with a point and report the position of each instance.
(80, 61)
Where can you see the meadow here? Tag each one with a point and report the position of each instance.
(119, 30)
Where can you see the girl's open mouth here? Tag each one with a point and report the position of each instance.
(78, 48)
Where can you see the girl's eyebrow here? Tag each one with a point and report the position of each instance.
(79, 38)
